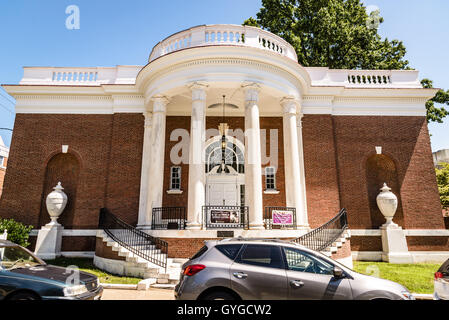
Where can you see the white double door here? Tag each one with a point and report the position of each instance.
(223, 194)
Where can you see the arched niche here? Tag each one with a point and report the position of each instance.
(382, 169)
(64, 168)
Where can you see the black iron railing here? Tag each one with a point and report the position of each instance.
(226, 217)
(322, 237)
(138, 242)
(169, 218)
(285, 218)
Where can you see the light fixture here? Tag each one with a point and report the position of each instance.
(223, 137)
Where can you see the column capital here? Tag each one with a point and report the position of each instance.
(251, 91)
(198, 90)
(160, 103)
(291, 105)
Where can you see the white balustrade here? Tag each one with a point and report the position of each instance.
(213, 35)
(369, 77)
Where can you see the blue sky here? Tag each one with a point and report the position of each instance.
(124, 32)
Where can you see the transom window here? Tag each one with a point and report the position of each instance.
(270, 178)
(233, 158)
(175, 178)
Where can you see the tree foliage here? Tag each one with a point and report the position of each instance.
(17, 232)
(443, 183)
(338, 34)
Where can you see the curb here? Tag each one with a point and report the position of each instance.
(420, 296)
(119, 286)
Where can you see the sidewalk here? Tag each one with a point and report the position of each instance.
(152, 294)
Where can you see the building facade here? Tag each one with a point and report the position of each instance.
(4, 153)
(223, 118)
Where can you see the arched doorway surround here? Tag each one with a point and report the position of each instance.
(225, 180)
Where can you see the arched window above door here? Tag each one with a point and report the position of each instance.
(234, 158)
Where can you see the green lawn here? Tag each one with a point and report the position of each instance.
(88, 266)
(418, 278)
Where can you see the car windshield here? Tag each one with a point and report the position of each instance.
(16, 257)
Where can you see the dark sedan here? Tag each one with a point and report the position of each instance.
(23, 276)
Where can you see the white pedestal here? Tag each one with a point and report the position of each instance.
(394, 245)
(49, 239)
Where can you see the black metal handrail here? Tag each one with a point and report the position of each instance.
(322, 237)
(152, 249)
(268, 218)
(169, 218)
(241, 215)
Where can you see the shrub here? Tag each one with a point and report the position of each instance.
(17, 232)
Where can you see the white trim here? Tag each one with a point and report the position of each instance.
(175, 192)
(408, 232)
(78, 254)
(71, 233)
(417, 256)
(211, 234)
(271, 191)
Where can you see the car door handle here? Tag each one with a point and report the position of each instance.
(296, 283)
(240, 275)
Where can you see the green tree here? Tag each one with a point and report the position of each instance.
(443, 183)
(17, 232)
(338, 34)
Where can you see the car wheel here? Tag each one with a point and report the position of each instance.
(23, 296)
(219, 295)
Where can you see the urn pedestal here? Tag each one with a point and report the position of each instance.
(49, 238)
(394, 242)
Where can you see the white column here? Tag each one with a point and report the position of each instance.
(303, 221)
(197, 176)
(253, 161)
(157, 147)
(146, 154)
(293, 179)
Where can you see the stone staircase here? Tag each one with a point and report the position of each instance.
(337, 244)
(135, 266)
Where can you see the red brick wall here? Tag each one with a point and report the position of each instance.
(366, 243)
(35, 140)
(406, 141)
(323, 200)
(428, 243)
(344, 251)
(125, 165)
(175, 200)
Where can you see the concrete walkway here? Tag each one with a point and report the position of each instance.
(152, 294)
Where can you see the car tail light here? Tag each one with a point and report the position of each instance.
(438, 275)
(193, 269)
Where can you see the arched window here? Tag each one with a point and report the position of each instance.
(234, 159)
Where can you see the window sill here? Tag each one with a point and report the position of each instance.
(271, 191)
(174, 191)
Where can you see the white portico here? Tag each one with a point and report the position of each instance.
(189, 72)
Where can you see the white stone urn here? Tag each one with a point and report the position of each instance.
(388, 204)
(56, 202)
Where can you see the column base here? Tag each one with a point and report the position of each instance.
(144, 227)
(256, 227)
(193, 226)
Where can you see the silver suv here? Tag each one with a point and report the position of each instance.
(262, 269)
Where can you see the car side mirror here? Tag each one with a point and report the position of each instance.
(338, 272)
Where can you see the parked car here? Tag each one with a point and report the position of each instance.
(23, 276)
(257, 269)
(441, 283)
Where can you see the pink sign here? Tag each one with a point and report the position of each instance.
(282, 217)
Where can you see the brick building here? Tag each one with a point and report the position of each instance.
(4, 153)
(145, 141)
